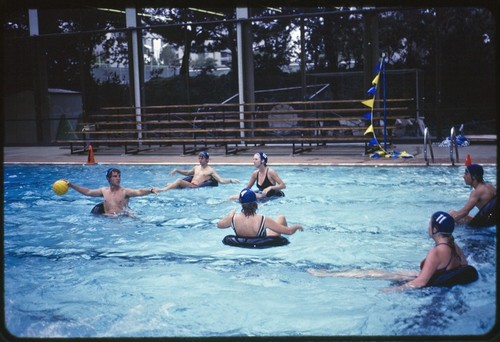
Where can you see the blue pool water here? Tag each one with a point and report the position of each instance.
(166, 273)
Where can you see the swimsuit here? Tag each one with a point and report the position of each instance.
(444, 269)
(267, 183)
(260, 233)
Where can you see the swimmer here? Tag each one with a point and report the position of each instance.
(115, 196)
(249, 224)
(201, 173)
(445, 256)
(268, 181)
(482, 194)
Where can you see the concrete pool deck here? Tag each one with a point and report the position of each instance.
(335, 154)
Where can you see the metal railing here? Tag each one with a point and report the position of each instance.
(427, 142)
(453, 143)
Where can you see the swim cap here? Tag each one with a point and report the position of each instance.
(476, 171)
(204, 154)
(110, 171)
(247, 196)
(263, 157)
(443, 222)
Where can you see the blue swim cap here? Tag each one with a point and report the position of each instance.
(443, 222)
(247, 196)
(476, 171)
(263, 157)
(204, 154)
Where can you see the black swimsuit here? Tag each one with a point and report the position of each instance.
(266, 184)
(444, 269)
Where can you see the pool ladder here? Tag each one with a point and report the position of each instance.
(428, 143)
(453, 143)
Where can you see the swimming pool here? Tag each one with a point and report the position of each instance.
(166, 273)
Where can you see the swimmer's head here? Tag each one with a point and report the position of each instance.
(247, 196)
(443, 222)
(110, 172)
(476, 171)
(204, 154)
(263, 158)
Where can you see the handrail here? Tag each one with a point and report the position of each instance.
(453, 142)
(427, 141)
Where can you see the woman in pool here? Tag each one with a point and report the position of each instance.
(249, 224)
(268, 181)
(444, 257)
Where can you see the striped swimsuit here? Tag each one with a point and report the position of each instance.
(262, 229)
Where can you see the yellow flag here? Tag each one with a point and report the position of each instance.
(375, 80)
(368, 103)
(369, 130)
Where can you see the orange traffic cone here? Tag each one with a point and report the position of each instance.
(468, 161)
(91, 160)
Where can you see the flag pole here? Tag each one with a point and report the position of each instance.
(385, 100)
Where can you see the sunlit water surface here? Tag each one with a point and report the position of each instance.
(166, 273)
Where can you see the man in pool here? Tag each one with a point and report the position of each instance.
(200, 175)
(115, 196)
(483, 197)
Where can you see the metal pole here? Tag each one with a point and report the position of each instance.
(241, 13)
(385, 100)
(131, 19)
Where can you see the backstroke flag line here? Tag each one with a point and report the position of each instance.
(370, 103)
(369, 115)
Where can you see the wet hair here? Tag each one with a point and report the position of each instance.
(476, 171)
(110, 171)
(249, 209)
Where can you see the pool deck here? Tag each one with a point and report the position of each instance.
(335, 154)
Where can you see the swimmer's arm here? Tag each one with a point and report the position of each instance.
(278, 228)
(141, 192)
(86, 191)
(462, 213)
(276, 178)
(226, 221)
(252, 180)
(182, 172)
(430, 266)
(221, 180)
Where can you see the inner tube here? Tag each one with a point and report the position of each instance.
(273, 194)
(458, 276)
(486, 217)
(208, 182)
(98, 209)
(255, 242)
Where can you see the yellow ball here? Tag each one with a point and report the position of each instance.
(60, 187)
